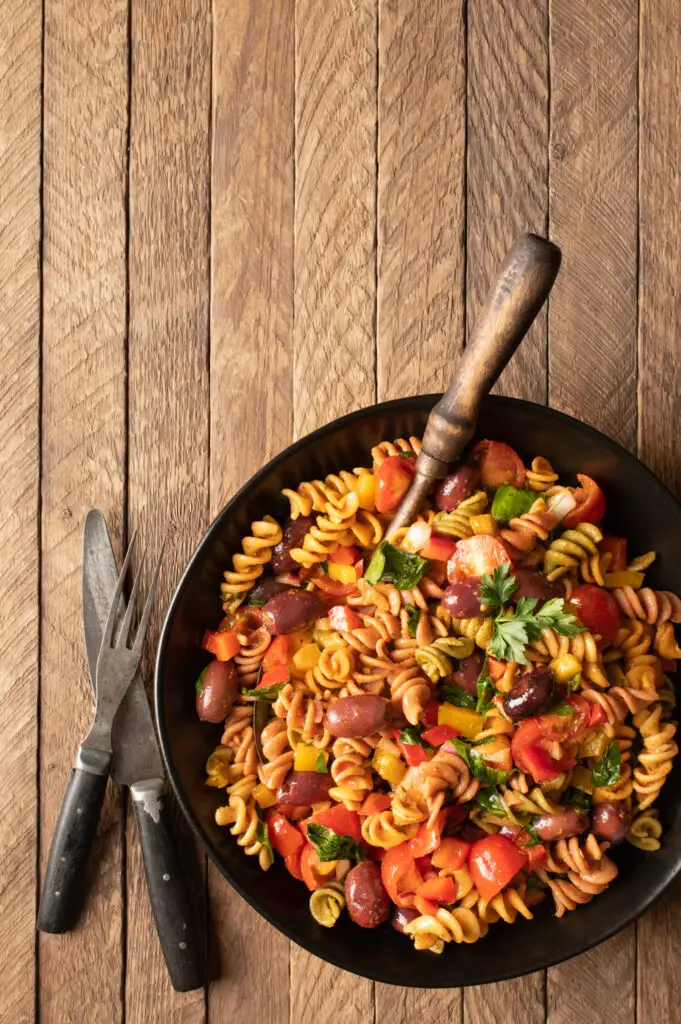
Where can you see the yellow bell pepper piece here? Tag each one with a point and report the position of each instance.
(468, 723)
(263, 796)
(389, 767)
(485, 524)
(307, 657)
(342, 573)
(628, 578)
(565, 667)
(328, 638)
(305, 758)
(299, 639)
(366, 490)
(581, 779)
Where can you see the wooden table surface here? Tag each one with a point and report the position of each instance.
(221, 228)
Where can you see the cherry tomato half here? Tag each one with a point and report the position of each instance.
(597, 610)
(564, 727)
(393, 479)
(530, 752)
(343, 618)
(499, 464)
(439, 548)
(617, 547)
(400, 875)
(493, 862)
(590, 507)
(476, 556)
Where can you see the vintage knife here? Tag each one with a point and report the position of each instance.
(137, 763)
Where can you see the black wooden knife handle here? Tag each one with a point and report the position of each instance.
(64, 888)
(180, 939)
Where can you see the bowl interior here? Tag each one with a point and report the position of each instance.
(639, 507)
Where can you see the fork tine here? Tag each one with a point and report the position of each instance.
(146, 613)
(125, 625)
(113, 611)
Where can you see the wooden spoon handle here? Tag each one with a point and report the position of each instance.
(521, 287)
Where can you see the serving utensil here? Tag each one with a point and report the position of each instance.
(115, 668)
(520, 289)
(137, 763)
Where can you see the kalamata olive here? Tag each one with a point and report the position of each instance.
(561, 825)
(610, 821)
(357, 716)
(535, 584)
(401, 916)
(291, 611)
(462, 599)
(532, 694)
(294, 534)
(458, 486)
(366, 896)
(466, 672)
(216, 692)
(266, 588)
(301, 789)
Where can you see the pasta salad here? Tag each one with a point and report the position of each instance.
(460, 722)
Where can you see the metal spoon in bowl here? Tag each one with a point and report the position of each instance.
(520, 289)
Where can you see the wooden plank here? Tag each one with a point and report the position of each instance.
(507, 183)
(421, 262)
(250, 375)
(593, 213)
(592, 322)
(168, 374)
(20, 131)
(83, 428)
(335, 295)
(507, 193)
(421, 195)
(659, 985)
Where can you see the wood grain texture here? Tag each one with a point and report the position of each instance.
(20, 130)
(659, 984)
(83, 451)
(404, 1005)
(519, 1000)
(168, 376)
(593, 212)
(592, 323)
(335, 209)
(251, 386)
(334, 303)
(421, 195)
(507, 180)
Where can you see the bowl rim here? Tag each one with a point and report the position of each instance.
(601, 934)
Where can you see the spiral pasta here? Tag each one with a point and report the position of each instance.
(243, 818)
(330, 530)
(327, 903)
(248, 564)
(541, 476)
(523, 532)
(434, 659)
(457, 523)
(456, 925)
(645, 830)
(576, 548)
(655, 759)
(653, 606)
(351, 772)
(380, 452)
(382, 830)
(479, 629)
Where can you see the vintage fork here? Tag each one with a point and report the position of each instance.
(64, 886)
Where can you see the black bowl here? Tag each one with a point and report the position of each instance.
(639, 507)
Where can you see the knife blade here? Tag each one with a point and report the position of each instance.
(136, 754)
(137, 763)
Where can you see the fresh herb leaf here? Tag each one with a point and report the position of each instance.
(523, 625)
(534, 839)
(496, 590)
(331, 846)
(320, 763)
(578, 799)
(407, 455)
(510, 502)
(411, 737)
(266, 693)
(561, 708)
(262, 834)
(324, 566)
(607, 771)
(573, 684)
(392, 565)
(478, 766)
(490, 800)
(198, 685)
(413, 616)
(486, 690)
(460, 698)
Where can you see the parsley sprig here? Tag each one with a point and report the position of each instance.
(515, 629)
(332, 846)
